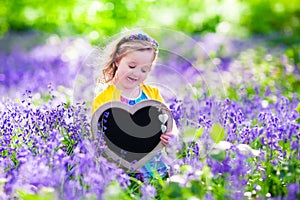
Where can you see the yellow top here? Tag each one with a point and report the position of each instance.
(111, 93)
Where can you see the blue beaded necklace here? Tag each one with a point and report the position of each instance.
(132, 102)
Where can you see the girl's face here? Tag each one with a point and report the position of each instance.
(133, 69)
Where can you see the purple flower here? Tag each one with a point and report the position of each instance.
(293, 191)
(148, 192)
(57, 62)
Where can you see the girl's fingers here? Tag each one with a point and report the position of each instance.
(165, 138)
(165, 143)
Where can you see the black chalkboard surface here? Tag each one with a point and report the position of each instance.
(132, 133)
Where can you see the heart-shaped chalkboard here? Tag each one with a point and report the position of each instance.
(132, 133)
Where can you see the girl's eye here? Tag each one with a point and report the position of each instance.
(131, 67)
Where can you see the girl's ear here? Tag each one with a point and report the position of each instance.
(116, 64)
(117, 61)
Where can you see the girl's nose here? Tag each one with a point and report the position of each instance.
(136, 72)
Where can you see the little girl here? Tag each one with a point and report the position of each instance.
(128, 63)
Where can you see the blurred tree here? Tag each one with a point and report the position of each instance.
(99, 18)
(103, 17)
(93, 18)
(279, 19)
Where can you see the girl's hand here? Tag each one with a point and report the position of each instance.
(165, 138)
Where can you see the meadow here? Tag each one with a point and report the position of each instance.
(235, 101)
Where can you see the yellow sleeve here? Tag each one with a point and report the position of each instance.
(111, 93)
(152, 93)
(103, 97)
(98, 101)
(158, 96)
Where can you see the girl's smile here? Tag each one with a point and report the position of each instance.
(132, 79)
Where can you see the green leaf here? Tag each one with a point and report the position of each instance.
(298, 108)
(217, 133)
(206, 171)
(185, 168)
(192, 134)
(197, 189)
(199, 133)
(43, 194)
(173, 190)
(114, 191)
(220, 156)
